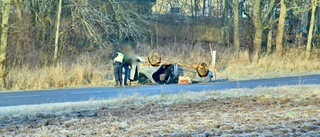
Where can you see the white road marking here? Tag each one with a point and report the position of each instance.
(25, 96)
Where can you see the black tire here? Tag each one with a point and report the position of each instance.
(203, 71)
(154, 59)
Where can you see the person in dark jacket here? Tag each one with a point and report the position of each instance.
(117, 58)
(127, 63)
(131, 65)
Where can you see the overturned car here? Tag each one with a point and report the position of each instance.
(154, 71)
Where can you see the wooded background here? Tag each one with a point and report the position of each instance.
(39, 33)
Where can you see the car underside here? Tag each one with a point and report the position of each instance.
(156, 71)
(167, 74)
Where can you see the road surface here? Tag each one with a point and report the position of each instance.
(84, 94)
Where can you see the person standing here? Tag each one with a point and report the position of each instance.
(117, 65)
(127, 63)
(130, 64)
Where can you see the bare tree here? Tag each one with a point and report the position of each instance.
(18, 9)
(269, 42)
(260, 22)
(4, 36)
(282, 18)
(258, 27)
(56, 46)
(117, 23)
(235, 7)
(310, 33)
(236, 25)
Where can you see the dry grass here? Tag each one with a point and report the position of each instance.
(85, 71)
(293, 62)
(94, 69)
(278, 111)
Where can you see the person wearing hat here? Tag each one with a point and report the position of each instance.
(117, 65)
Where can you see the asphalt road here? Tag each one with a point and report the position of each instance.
(84, 94)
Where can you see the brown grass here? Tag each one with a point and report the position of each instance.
(85, 71)
(95, 69)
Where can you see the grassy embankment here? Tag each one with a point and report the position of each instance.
(92, 69)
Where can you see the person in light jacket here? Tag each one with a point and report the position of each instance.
(117, 65)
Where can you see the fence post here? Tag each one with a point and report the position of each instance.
(213, 54)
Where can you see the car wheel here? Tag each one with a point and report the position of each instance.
(203, 70)
(154, 59)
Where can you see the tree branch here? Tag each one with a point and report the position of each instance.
(270, 9)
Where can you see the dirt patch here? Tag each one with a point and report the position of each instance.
(230, 116)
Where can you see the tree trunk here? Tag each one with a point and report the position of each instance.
(282, 18)
(4, 36)
(236, 25)
(258, 28)
(18, 9)
(270, 34)
(204, 8)
(257, 41)
(55, 56)
(269, 43)
(310, 33)
(195, 10)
